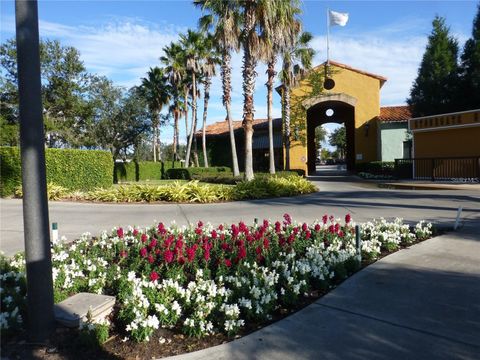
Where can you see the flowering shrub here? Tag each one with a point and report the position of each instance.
(204, 279)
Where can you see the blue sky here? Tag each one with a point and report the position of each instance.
(122, 39)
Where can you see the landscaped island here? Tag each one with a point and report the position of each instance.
(203, 280)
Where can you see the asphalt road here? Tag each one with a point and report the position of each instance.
(337, 195)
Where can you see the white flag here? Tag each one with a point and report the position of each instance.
(337, 18)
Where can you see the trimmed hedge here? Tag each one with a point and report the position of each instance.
(377, 168)
(73, 169)
(142, 170)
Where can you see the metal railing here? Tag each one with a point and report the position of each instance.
(465, 169)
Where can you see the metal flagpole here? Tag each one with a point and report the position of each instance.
(328, 38)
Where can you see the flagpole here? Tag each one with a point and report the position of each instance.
(328, 39)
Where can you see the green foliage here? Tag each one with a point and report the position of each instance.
(338, 138)
(54, 192)
(70, 169)
(273, 186)
(433, 91)
(377, 167)
(197, 173)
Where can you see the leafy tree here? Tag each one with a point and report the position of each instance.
(469, 92)
(224, 19)
(338, 138)
(65, 84)
(121, 119)
(156, 92)
(320, 135)
(297, 59)
(433, 91)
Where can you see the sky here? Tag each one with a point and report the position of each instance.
(123, 39)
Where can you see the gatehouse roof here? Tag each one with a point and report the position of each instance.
(398, 113)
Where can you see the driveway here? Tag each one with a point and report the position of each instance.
(338, 195)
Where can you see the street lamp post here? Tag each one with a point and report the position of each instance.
(35, 204)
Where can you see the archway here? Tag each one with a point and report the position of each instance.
(331, 111)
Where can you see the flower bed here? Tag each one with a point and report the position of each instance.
(202, 280)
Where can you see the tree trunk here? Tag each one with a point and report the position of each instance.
(271, 75)
(194, 120)
(287, 127)
(227, 88)
(159, 144)
(175, 136)
(155, 128)
(186, 116)
(206, 97)
(249, 76)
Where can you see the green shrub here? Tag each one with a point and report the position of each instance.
(177, 174)
(54, 192)
(386, 168)
(142, 170)
(68, 168)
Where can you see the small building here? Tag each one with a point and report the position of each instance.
(218, 144)
(394, 139)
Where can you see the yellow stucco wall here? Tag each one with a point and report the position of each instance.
(366, 90)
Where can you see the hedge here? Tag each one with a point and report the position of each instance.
(142, 170)
(377, 167)
(73, 169)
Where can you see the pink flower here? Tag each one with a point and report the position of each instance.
(304, 227)
(214, 234)
(288, 219)
(168, 256)
(228, 263)
(317, 227)
(200, 224)
(120, 232)
(325, 218)
(144, 238)
(242, 253)
(143, 252)
(135, 232)
(154, 276)
(150, 259)
(123, 253)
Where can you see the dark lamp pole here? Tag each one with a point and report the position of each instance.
(40, 322)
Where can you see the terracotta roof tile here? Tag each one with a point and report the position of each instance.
(221, 127)
(395, 113)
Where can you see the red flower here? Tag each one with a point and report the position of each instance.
(228, 263)
(154, 276)
(191, 253)
(288, 219)
(325, 218)
(242, 253)
(198, 231)
(144, 238)
(143, 252)
(135, 232)
(224, 246)
(220, 227)
(266, 243)
(168, 256)
(348, 218)
(260, 259)
(199, 224)
(214, 234)
(337, 227)
(308, 234)
(123, 253)
(179, 244)
(304, 227)
(240, 243)
(258, 250)
(120, 232)
(341, 234)
(222, 237)
(331, 229)
(265, 223)
(161, 229)
(150, 259)
(317, 227)
(181, 260)
(278, 227)
(235, 230)
(153, 243)
(291, 238)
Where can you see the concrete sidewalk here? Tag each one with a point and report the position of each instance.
(419, 303)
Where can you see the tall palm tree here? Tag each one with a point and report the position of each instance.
(287, 27)
(192, 43)
(174, 62)
(224, 20)
(209, 61)
(297, 59)
(156, 91)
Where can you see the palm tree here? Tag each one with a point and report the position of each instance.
(210, 59)
(287, 27)
(260, 19)
(297, 59)
(192, 43)
(155, 90)
(174, 62)
(224, 20)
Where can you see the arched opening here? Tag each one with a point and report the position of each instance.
(331, 111)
